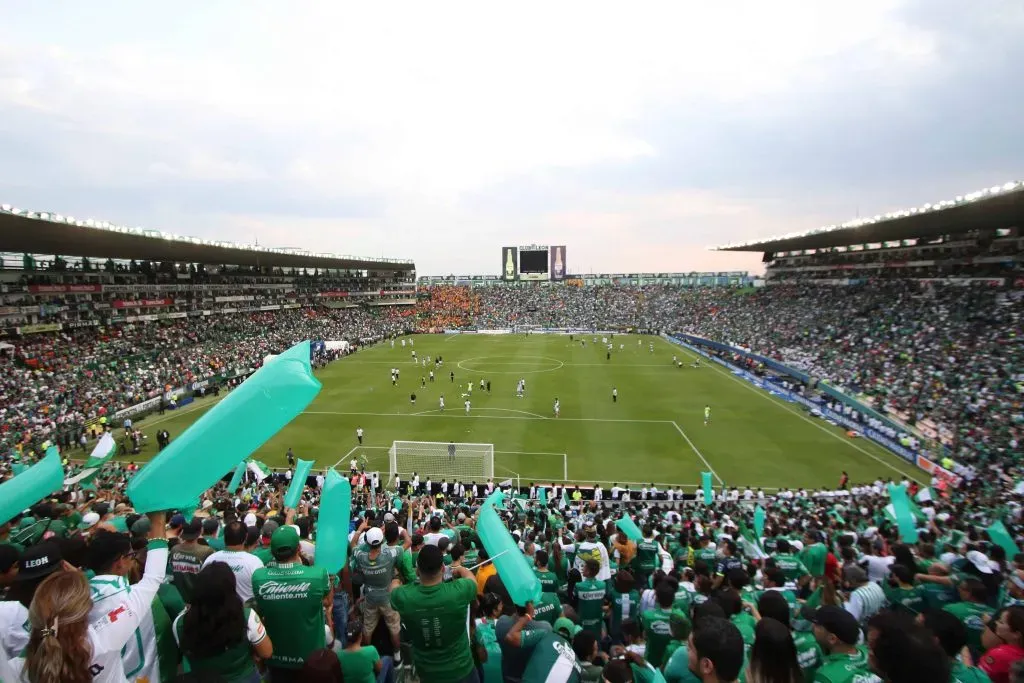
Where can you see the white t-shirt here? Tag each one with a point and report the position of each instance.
(877, 567)
(243, 564)
(13, 635)
(432, 539)
(111, 632)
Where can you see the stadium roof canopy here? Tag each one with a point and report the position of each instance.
(45, 233)
(993, 208)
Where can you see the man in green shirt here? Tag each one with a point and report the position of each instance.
(901, 592)
(625, 601)
(292, 599)
(590, 596)
(951, 635)
(648, 556)
(657, 623)
(187, 558)
(435, 615)
(814, 553)
(837, 633)
(552, 658)
(548, 579)
(790, 565)
(705, 553)
(972, 611)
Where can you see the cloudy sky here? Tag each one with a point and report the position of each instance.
(635, 133)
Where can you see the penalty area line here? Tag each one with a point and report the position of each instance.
(697, 451)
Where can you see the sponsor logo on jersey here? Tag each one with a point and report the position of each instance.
(275, 590)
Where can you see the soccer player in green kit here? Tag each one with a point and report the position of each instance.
(292, 599)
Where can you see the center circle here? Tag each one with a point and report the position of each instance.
(513, 365)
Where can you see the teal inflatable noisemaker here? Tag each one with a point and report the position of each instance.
(522, 584)
(759, 518)
(227, 434)
(332, 525)
(629, 527)
(31, 486)
(708, 494)
(298, 485)
(236, 478)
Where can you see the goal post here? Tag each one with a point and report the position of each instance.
(456, 461)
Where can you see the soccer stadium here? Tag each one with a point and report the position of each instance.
(878, 351)
(471, 343)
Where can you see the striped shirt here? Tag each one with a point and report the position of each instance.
(865, 602)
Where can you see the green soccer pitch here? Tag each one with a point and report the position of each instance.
(655, 432)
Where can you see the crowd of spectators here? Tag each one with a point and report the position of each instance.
(51, 385)
(827, 589)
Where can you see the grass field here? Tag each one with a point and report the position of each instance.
(655, 432)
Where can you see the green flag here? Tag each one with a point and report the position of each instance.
(629, 527)
(903, 514)
(542, 495)
(1001, 537)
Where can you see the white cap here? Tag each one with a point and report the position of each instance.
(374, 536)
(90, 519)
(980, 561)
(388, 517)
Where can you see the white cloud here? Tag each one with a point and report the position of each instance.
(418, 106)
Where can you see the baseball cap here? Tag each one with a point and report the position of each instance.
(389, 517)
(284, 538)
(374, 536)
(141, 526)
(89, 520)
(39, 561)
(177, 521)
(190, 531)
(836, 621)
(980, 561)
(565, 627)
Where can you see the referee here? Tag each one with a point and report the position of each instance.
(451, 452)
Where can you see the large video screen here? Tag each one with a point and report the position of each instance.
(533, 261)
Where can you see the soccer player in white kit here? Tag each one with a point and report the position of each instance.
(558, 407)
(707, 415)
(467, 406)
(442, 402)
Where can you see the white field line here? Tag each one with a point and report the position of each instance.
(697, 451)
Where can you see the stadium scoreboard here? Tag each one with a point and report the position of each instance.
(533, 262)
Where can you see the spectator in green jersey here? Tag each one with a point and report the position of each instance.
(973, 611)
(293, 600)
(362, 663)
(773, 658)
(435, 614)
(837, 633)
(217, 634)
(625, 601)
(590, 595)
(657, 623)
(951, 635)
(715, 650)
(485, 639)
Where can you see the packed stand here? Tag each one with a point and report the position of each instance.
(51, 385)
(801, 586)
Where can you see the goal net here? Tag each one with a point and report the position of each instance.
(463, 462)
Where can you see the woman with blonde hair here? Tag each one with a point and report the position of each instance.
(64, 647)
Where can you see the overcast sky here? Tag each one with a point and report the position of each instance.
(636, 134)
